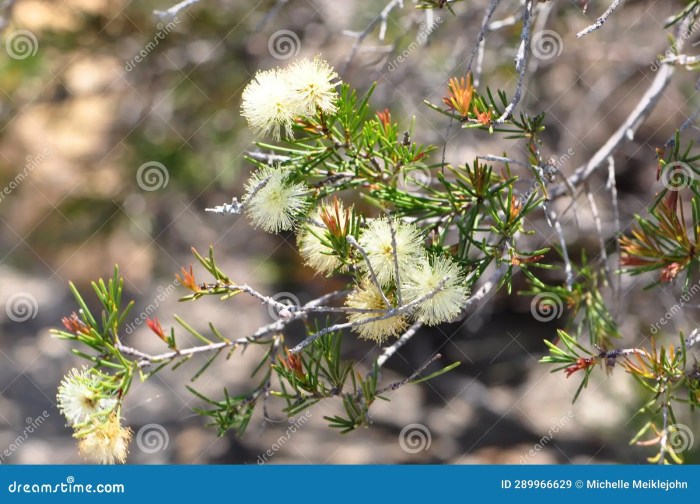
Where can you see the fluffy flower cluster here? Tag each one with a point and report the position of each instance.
(272, 201)
(101, 437)
(275, 98)
(314, 246)
(367, 297)
(379, 239)
(434, 287)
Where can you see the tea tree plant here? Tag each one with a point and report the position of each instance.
(442, 236)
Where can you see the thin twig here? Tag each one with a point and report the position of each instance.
(479, 47)
(553, 221)
(600, 21)
(599, 230)
(6, 14)
(389, 351)
(520, 61)
(612, 187)
(175, 9)
(352, 241)
(415, 375)
(393, 312)
(360, 36)
(626, 131)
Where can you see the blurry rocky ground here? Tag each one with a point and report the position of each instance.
(85, 115)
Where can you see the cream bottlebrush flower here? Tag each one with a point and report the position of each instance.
(447, 302)
(272, 202)
(313, 239)
(313, 86)
(368, 297)
(107, 442)
(268, 105)
(376, 240)
(79, 399)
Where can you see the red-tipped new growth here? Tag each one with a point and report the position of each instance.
(581, 363)
(460, 97)
(155, 326)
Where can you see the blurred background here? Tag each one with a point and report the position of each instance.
(119, 126)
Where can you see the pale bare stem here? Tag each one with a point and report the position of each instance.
(6, 13)
(693, 338)
(479, 47)
(664, 432)
(270, 14)
(389, 351)
(601, 20)
(612, 187)
(553, 221)
(352, 241)
(391, 312)
(489, 285)
(686, 124)
(520, 61)
(360, 36)
(502, 159)
(268, 158)
(268, 383)
(236, 207)
(268, 330)
(599, 230)
(265, 299)
(175, 9)
(625, 132)
(415, 375)
(395, 256)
